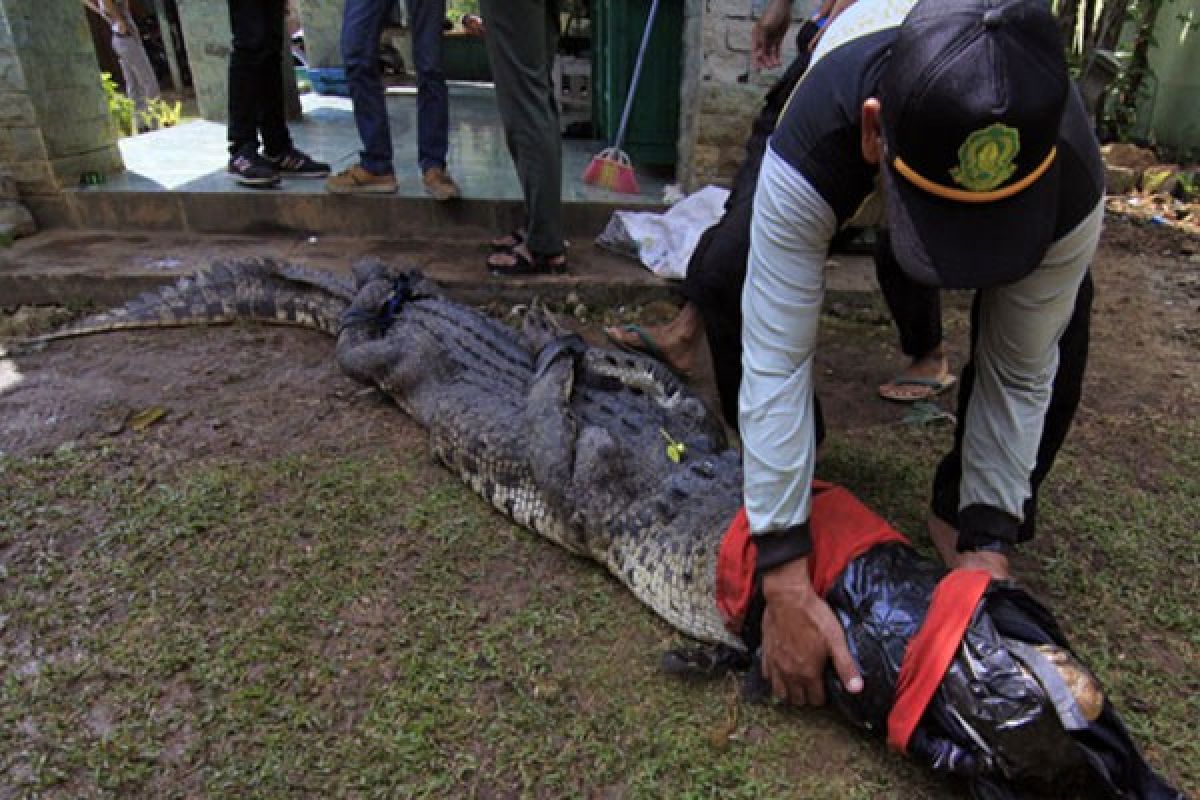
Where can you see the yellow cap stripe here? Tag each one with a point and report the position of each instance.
(962, 195)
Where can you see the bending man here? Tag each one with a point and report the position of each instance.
(992, 181)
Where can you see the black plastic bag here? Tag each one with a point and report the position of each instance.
(1015, 713)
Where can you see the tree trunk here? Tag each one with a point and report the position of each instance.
(1139, 65)
(1068, 18)
(1112, 20)
(1089, 27)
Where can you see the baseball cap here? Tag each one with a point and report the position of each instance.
(972, 97)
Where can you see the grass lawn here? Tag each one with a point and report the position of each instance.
(319, 624)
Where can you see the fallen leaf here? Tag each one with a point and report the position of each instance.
(147, 417)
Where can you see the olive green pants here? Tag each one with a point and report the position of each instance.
(522, 37)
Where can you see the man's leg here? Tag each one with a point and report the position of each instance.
(256, 78)
(433, 102)
(715, 277)
(362, 26)
(272, 114)
(140, 82)
(247, 25)
(521, 39)
(917, 311)
(1064, 400)
(1029, 343)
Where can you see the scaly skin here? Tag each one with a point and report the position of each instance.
(576, 452)
(266, 291)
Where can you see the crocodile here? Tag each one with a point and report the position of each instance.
(609, 455)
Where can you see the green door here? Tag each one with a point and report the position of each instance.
(617, 27)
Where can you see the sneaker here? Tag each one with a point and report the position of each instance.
(357, 180)
(295, 164)
(253, 170)
(439, 184)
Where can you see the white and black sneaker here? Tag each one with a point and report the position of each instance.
(253, 170)
(295, 164)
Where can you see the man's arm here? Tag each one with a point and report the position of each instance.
(781, 304)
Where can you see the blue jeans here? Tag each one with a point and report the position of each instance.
(362, 25)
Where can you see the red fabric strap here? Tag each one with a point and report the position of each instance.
(735, 571)
(930, 652)
(842, 529)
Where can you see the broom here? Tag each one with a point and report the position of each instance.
(611, 167)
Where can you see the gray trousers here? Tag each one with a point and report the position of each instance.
(522, 37)
(140, 82)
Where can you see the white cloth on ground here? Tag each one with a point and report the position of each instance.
(664, 242)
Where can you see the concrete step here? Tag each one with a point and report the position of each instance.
(102, 268)
(310, 212)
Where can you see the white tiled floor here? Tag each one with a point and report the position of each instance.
(192, 156)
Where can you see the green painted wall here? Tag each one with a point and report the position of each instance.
(1176, 63)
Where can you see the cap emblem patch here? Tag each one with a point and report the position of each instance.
(985, 159)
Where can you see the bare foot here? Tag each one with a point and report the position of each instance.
(924, 378)
(945, 541)
(674, 343)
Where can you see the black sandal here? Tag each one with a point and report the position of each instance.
(555, 264)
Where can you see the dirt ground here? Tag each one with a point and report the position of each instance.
(1143, 356)
(196, 395)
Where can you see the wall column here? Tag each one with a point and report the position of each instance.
(322, 20)
(54, 120)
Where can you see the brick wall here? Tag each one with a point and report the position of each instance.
(54, 120)
(721, 91)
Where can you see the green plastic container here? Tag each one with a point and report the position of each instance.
(464, 58)
(617, 26)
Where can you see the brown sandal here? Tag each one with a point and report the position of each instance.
(499, 264)
(508, 241)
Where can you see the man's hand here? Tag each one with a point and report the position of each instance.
(945, 541)
(799, 633)
(473, 24)
(767, 37)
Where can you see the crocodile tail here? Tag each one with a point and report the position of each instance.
(262, 290)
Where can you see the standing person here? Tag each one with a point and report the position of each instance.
(712, 285)
(992, 181)
(716, 271)
(362, 25)
(522, 38)
(256, 107)
(141, 84)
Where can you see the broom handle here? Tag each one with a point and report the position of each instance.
(637, 73)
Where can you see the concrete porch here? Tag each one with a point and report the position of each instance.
(175, 179)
